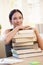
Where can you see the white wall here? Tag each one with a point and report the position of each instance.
(33, 13)
(41, 10)
(5, 7)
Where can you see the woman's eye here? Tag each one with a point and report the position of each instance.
(20, 17)
(17, 18)
(14, 18)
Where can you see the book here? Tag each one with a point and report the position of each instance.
(26, 31)
(24, 47)
(25, 35)
(21, 40)
(31, 55)
(23, 44)
(32, 46)
(28, 51)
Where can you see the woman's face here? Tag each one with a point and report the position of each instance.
(17, 19)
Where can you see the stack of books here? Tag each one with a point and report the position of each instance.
(24, 42)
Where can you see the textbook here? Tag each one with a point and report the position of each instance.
(23, 47)
(24, 35)
(29, 46)
(26, 31)
(23, 44)
(25, 51)
(26, 45)
(31, 55)
(26, 39)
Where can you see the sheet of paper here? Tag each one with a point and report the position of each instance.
(10, 60)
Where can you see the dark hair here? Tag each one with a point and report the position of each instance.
(12, 12)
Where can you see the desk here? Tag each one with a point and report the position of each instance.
(28, 60)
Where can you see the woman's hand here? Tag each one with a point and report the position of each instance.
(21, 27)
(28, 28)
(24, 27)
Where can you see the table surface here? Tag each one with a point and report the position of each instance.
(28, 60)
(32, 59)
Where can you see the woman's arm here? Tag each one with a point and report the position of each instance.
(10, 34)
(39, 39)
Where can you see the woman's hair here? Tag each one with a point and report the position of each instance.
(12, 12)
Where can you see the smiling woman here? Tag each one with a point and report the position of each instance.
(16, 19)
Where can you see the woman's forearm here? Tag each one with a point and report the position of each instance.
(10, 35)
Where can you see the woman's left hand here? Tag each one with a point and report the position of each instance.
(28, 28)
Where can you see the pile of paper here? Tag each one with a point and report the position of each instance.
(10, 60)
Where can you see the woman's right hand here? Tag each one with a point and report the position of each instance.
(21, 27)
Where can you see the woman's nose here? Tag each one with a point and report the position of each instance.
(18, 20)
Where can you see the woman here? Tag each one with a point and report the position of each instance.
(16, 19)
